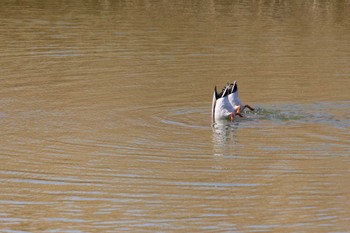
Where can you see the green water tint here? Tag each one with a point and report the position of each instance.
(276, 114)
(328, 113)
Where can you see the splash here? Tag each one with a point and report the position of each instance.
(331, 113)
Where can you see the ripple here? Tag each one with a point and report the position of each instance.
(328, 113)
(106, 122)
(212, 185)
(184, 117)
(56, 53)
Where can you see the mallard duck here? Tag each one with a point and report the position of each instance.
(227, 104)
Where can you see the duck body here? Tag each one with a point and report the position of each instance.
(234, 98)
(223, 109)
(225, 103)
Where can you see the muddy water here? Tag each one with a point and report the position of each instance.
(105, 119)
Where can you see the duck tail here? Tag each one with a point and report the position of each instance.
(216, 94)
(234, 87)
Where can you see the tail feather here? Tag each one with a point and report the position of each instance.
(216, 94)
(234, 87)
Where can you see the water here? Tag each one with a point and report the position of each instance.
(105, 119)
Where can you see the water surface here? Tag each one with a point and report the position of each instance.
(105, 119)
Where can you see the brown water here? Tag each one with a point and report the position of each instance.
(105, 119)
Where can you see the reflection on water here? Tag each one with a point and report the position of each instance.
(224, 138)
(105, 116)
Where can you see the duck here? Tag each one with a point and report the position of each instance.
(227, 104)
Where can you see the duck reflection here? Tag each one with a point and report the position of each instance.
(224, 138)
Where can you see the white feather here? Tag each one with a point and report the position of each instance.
(223, 109)
(234, 100)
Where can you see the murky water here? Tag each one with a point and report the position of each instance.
(105, 119)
